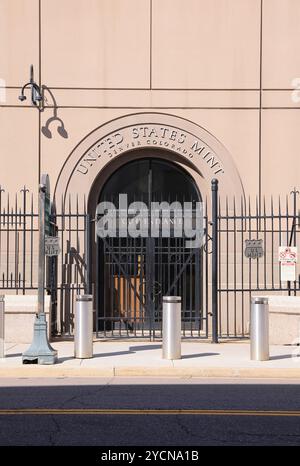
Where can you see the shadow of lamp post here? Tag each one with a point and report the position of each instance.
(61, 127)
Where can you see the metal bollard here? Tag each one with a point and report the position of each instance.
(259, 329)
(2, 323)
(171, 348)
(84, 327)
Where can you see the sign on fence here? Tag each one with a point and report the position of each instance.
(254, 248)
(287, 256)
(52, 246)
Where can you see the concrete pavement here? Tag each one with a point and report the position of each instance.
(140, 358)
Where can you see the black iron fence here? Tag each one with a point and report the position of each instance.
(225, 272)
(249, 238)
(68, 274)
(18, 238)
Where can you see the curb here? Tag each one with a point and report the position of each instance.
(54, 371)
(140, 371)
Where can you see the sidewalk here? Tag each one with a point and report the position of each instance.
(199, 359)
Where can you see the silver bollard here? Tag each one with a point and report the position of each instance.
(2, 323)
(259, 329)
(171, 348)
(84, 327)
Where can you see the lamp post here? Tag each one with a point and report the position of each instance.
(40, 351)
(36, 94)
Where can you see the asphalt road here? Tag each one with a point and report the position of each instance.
(132, 412)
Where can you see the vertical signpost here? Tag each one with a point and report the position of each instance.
(40, 351)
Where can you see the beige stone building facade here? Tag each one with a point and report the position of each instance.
(210, 86)
(228, 66)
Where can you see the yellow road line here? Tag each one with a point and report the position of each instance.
(164, 412)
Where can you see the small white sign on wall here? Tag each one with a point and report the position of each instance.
(287, 256)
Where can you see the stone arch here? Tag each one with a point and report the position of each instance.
(192, 146)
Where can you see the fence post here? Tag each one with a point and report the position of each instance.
(88, 285)
(51, 281)
(214, 275)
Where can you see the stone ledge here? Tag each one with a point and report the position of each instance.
(20, 311)
(284, 304)
(26, 303)
(284, 319)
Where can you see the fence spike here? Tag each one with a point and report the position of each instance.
(12, 215)
(249, 206)
(1, 191)
(84, 204)
(20, 214)
(62, 213)
(8, 208)
(16, 209)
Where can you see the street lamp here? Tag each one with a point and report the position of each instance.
(36, 94)
(40, 350)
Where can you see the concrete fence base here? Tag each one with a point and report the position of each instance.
(284, 320)
(20, 311)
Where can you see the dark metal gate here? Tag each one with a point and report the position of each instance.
(134, 273)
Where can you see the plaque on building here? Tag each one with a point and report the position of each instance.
(254, 248)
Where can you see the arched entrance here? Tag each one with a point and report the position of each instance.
(84, 173)
(134, 273)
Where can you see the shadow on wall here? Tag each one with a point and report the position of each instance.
(46, 131)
